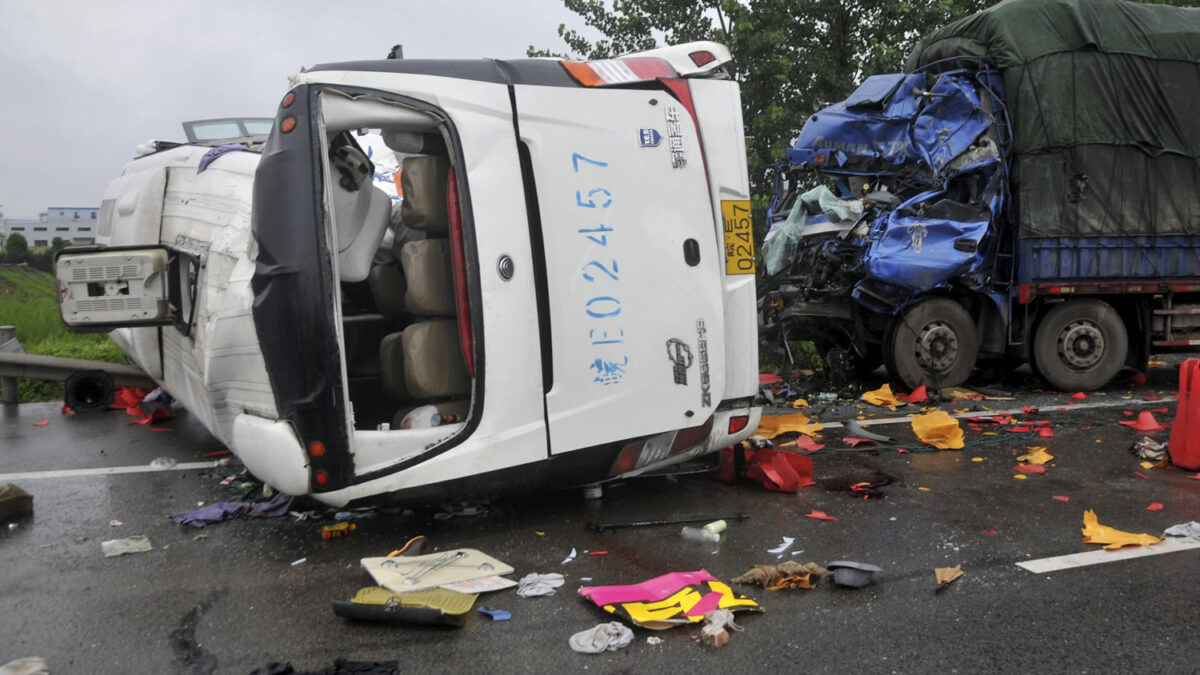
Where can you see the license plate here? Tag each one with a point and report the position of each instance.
(739, 236)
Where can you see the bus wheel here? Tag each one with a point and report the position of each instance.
(933, 343)
(1080, 345)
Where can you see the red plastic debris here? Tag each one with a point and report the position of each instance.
(1195, 477)
(902, 450)
(1020, 429)
(1046, 432)
(768, 378)
(819, 515)
(1061, 498)
(66, 410)
(1138, 379)
(1128, 413)
(1079, 396)
(854, 441)
(779, 471)
(1029, 410)
(807, 444)
(918, 395)
(989, 532)
(598, 553)
(1145, 422)
(1029, 468)
(218, 453)
(43, 423)
(1155, 506)
(1141, 475)
(159, 429)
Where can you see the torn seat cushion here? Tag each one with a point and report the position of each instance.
(428, 271)
(433, 362)
(423, 180)
(391, 363)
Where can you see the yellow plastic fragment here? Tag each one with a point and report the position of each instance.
(1037, 455)
(1147, 465)
(774, 425)
(976, 459)
(1020, 476)
(798, 403)
(946, 575)
(925, 489)
(1095, 533)
(939, 430)
(883, 396)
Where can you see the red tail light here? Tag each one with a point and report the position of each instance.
(321, 478)
(458, 255)
(738, 422)
(702, 58)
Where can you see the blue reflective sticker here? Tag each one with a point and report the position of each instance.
(649, 138)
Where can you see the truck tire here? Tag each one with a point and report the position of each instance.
(1080, 345)
(933, 343)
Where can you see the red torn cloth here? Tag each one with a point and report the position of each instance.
(819, 515)
(918, 395)
(1145, 422)
(1061, 498)
(768, 378)
(779, 471)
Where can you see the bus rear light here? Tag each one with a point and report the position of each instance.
(287, 124)
(738, 422)
(618, 71)
(316, 449)
(288, 100)
(702, 58)
(321, 478)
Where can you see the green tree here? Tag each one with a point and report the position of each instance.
(16, 244)
(57, 244)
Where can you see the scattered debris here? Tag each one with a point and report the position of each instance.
(135, 544)
(778, 550)
(858, 430)
(1037, 455)
(938, 429)
(413, 573)
(432, 606)
(535, 585)
(717, 624)
(779, 471)
(1155, 506)
(601, 527)
(30, 665)
(654, 640)
(819, 515)
(14, 502)
(1029, 468)
(699, 534)
(603, 637)
(480, 585)
(495, 614)
(115, 523)
(672, 599)
(947, 575)
(296, 563)
(338, 530)
(1095, 533)
(777, 425)
(1061, 498)
(853, 574)
(1189, 529)
(1145, 422)
(788, 575)
(883, 396)
(43, 423)
(1148, 448)
(569, 558)
(221, 511)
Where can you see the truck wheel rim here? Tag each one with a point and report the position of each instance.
(1081, 344)
(937, 347)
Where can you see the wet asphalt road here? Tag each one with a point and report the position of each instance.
(233, 601)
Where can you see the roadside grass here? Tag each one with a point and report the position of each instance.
(28, 302)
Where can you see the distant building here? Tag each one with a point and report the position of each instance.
(75, 224)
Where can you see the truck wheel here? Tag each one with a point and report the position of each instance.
(934, 344)
(1080, 345)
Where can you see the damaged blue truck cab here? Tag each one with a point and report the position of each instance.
(1013, 198)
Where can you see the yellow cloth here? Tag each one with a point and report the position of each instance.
(1037, 455)
(1095, 533)
(883, 396)
(775, 425)
(938, 429)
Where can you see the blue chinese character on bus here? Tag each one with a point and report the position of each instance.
(608, 372)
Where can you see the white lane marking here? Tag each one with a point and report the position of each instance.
(102, 471)
(990, 413)
(1066, 562)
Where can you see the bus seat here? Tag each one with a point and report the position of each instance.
(391, 361)
(433, 361)
(361, 217)
(423, 180)
(389, 288)
(428, 272)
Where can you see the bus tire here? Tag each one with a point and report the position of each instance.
(1080, 345)
(934, 343)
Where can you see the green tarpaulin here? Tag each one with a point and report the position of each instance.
(1104, 99)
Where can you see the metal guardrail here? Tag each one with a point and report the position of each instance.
(14, 365)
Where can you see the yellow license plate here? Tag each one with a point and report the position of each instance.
(739, 236)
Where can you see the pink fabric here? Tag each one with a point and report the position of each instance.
(707, 604)
(650, 590)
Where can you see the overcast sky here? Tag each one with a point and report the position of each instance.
(82, 83)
